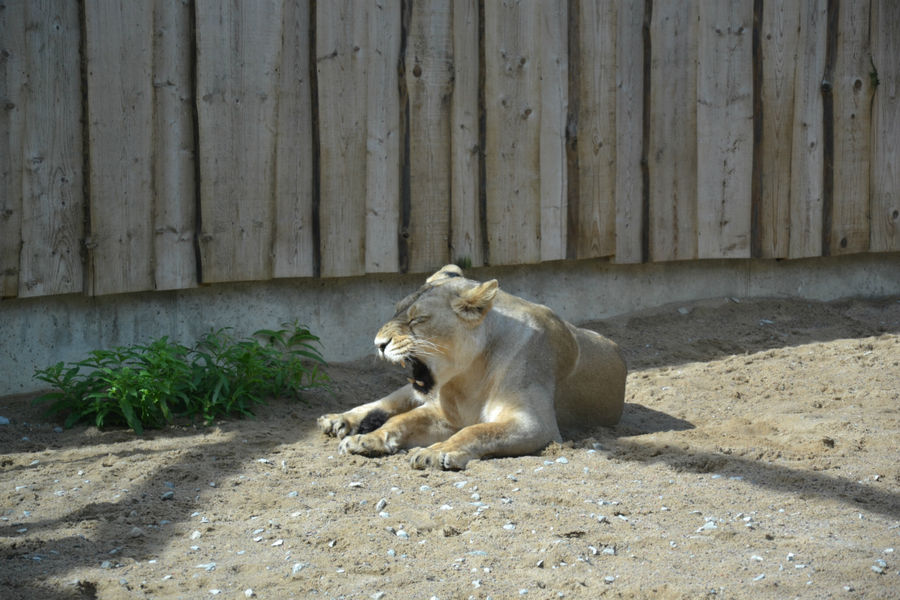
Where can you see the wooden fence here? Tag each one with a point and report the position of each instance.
(163, 144)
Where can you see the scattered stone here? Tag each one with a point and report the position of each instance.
(377, 596)
(759, 577)
(4, 421)
(510, 527)
(249, 593)
(356, 484)
(277, 543)
(196, 535)
(215, 592)
(609, 579)
(562, 460)
(460, 484)
(211, 566)
(403, 535)
(136, 532)
(382, 504)
(167, 495)
(708, 526)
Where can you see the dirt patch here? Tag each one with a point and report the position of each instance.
(757, 458)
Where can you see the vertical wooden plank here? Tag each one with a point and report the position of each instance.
(596, 215)
(293, 243)
(174, 202)
(852, 93)
(724, 129)
(629, 198)
(429, 79)
(119, 47)
(341, 59)
(672, 147)
(554, 59)
(807, 137)
(383, 145)
(885, 210)
(512, 105)
(238, 57)
(779, 33)
(51, 151)
(465, 187)
(12, 78)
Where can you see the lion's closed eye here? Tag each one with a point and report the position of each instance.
(418, 320)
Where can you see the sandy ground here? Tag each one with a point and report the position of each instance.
(757, 458)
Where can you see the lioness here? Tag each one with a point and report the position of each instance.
(491, 375)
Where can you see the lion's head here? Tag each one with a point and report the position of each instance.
(436, 331)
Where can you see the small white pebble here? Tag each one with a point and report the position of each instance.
(196, 535)
(249, 593)
(562, 460)
(278, 543)
(759, 577)
(355, 484)
(609, 579)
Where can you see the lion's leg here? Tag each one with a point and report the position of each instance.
(419, 427)
(368, 417)
(513, 436)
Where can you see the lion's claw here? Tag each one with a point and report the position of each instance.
(367, 444)
(337, 425)
(435, 458)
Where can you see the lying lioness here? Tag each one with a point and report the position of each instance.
(491, 375)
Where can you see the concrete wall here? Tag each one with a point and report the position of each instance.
(345, 313)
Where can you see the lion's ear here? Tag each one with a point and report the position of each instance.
(445, 272)
(473, 304)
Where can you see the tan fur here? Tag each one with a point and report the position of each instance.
(503, 377)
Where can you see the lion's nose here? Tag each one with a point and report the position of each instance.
(383, 346)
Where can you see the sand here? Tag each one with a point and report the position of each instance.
(757, 458)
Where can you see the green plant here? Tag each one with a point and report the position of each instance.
(148, 386)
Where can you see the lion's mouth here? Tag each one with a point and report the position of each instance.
(421, 378)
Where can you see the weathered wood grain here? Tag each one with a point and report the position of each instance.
(429, 80)
(120, 123)
(466, 236)
(342, 50)
(885, 180)
(293, 243)
(596, 215)
(554, 108)
(629, 196)
(672, 147)
(174, 186)
(13, 74)
(778, 37)
(807, 136)
(48, 125)
(238, 57)
(724, 129)
(383, 146)
(852, 93)
(512, 105)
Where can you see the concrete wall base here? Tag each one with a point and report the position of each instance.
(346, 313)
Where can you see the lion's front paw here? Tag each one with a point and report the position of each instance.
(367, 444)
(339, 425)
(434, 457)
